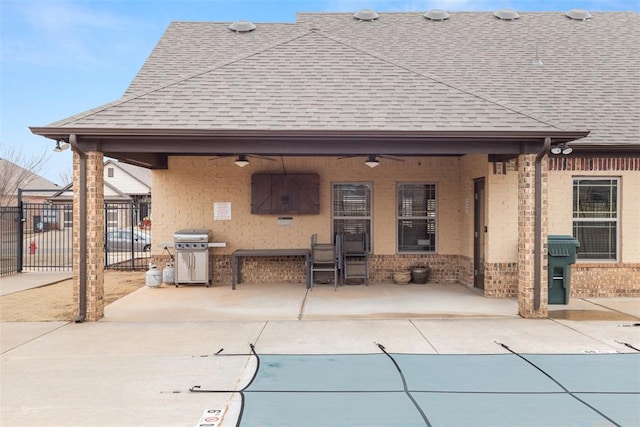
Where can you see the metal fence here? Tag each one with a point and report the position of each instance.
(39, 237)
(127, 239)
(9, 239)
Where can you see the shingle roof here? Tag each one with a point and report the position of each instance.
(16, 177)
(402, 71)
(588, 80)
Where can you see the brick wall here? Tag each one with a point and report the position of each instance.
(501, 280)
(606, 279)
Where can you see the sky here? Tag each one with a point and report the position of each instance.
(62, 57)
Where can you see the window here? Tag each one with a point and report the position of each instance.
(352, 209)
(595, 217)
(110, 172)
(416, 217)
(111, 217)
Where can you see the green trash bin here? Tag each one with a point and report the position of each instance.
(562, 253)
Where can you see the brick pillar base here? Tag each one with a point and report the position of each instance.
(526, 239)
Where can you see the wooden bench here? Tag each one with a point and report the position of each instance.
(237, 254)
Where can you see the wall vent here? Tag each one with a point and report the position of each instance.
(578, 14)
(242, 26)
(436, 15)
(506, 14)
(366, 15)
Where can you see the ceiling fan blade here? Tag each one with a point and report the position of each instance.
(261, 157)
(397, 159)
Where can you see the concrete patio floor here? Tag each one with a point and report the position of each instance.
(135, 367)
(294, 302)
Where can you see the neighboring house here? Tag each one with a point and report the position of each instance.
(14, 177)
(477, 110)
(124, 185)
(37, 214)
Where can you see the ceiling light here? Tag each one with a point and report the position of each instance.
(372, 162)
(241, 161)
(567, 150)
(556, 149)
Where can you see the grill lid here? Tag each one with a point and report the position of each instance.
(191, 235)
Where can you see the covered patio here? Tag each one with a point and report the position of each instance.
(481, 160)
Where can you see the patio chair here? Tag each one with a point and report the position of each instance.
(355, 257)
(324, 259)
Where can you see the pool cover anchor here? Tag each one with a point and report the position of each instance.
(199, 389)
(628, 345)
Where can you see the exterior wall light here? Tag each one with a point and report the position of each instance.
(561, 149)
(61, 146)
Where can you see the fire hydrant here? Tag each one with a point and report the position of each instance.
(32, 248)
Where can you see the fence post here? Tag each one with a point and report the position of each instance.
(20, 232)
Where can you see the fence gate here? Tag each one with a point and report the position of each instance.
(47, 237)
(127, 239)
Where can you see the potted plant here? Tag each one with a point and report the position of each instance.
(420, 274)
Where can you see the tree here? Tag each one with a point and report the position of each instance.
(18, 170)
(65, 176)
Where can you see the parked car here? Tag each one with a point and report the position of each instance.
(124, 240)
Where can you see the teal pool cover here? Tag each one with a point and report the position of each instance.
(390, 389)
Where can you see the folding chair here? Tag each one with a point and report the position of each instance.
(324, 258)
(355, 257)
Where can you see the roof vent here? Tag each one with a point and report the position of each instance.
(506, 14)
(436, 15)
(242, 26)
(578, 14)
(366, 15)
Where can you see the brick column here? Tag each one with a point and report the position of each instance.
(526, 238)
(94, 235)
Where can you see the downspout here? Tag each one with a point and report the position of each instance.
(537, 261)
(82, 267)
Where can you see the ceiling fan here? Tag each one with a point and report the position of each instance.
(372, 160)
(242, 160)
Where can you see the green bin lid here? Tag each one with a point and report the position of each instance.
(561, 245)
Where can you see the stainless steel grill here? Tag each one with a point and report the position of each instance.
(192, 256)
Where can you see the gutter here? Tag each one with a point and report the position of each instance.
(82, 268)
(57, 132)
(537, 251)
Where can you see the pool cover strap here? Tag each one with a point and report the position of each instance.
(557, 382)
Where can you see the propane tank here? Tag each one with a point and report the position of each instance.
(153, 276)
(168, 274)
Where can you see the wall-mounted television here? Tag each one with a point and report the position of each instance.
(276, 194)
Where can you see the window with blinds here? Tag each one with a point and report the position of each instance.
(595, 217)
(416, 217)
(351, 209)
